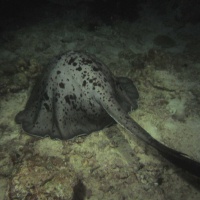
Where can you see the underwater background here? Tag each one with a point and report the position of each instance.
(154, 43)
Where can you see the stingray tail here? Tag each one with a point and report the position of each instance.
(177, 158)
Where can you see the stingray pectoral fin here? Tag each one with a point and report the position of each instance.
(181, 160)
(129, 87)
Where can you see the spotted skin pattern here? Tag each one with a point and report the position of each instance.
(71, 98)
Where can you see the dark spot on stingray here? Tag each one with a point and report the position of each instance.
(95, 68)
(46, 97)
(86, 61)
(62, 85)
(73, 97)
(71, 61)
(83, 76)
(79, 68)
(91, 80)
(57, 94)
(67, 99)
(84, 83)
(47, 107)
(58, 72)
(74, 64)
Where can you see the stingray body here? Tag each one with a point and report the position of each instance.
(78, 95)
(67, 101)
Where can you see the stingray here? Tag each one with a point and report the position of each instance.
(78, 95)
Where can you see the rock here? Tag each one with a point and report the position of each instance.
(6, 164)
(36, 180)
